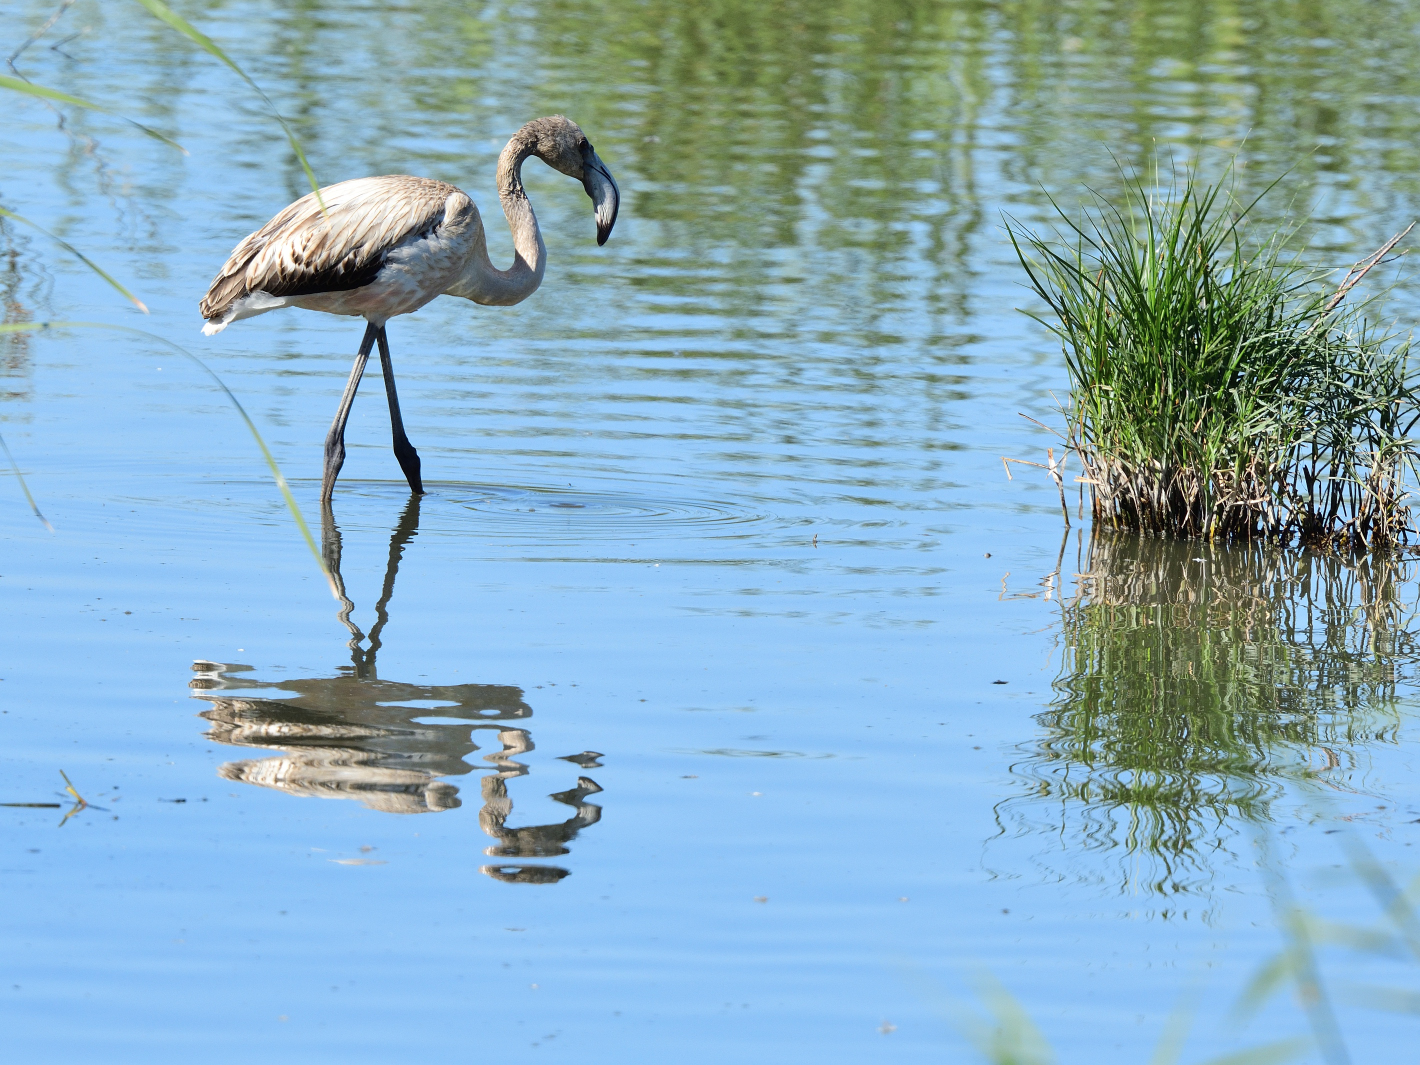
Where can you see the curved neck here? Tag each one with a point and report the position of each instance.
(483, 282)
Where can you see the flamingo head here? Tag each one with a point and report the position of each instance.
(560, 143)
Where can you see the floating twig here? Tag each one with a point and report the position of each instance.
(80, 803)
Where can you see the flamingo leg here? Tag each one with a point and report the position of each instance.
(335, 439)
(403, 449)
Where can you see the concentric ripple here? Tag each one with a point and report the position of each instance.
(598, 515)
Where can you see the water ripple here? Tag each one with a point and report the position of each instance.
(600, 515)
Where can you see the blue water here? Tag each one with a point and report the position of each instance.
(719, 513)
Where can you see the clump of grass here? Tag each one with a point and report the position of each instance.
(1219, 388)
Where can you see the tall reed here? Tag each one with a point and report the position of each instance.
(1218, 387)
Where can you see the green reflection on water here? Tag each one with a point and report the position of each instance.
(877, 137)
(1195, 682)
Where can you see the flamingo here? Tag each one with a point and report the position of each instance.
(377, 247)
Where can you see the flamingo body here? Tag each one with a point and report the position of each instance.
(378, 247)
(387, 247)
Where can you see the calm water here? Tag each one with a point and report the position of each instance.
(722, 698)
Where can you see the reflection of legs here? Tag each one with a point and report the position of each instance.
(405, 531)
(403, 449)
(335, 439)
(330, 549)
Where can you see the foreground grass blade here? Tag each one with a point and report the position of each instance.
(280, 479)
(1388, 895)
(24, 487)
(1175, 1033)
(1302, 963)
(1266, 1054)
(161, 11)
(30, 89)
(1271, 976)
(95, 267)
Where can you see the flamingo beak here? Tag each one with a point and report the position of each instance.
(601, 187)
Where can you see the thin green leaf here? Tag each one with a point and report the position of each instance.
(1389, 999)
(1266, 1054)
(1013, 1039)
(1355, 937)
(95, 267)
(1265, 983)
(1388, 895)
(24, 487)
(1175, 1033)
(54, 96)
(280, 479)
(166, 14)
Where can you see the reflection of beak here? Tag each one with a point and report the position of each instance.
(601, 187)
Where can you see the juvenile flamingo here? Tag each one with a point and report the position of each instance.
(384, 246)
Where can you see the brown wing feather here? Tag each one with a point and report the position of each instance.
(302, 251)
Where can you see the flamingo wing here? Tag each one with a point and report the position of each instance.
(305, 250)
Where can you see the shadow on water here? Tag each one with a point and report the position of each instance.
(357, 736)
(1195, 684)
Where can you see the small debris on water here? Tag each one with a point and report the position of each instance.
(587, 759)
(761, 898)
(357, 861)
(570, 506)
(1000, 682)
(887, 1028)
(366, 850)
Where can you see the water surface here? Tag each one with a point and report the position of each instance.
(722, 697)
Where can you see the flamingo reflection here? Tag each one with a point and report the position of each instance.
(391, 745)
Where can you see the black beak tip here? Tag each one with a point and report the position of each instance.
(602, 235)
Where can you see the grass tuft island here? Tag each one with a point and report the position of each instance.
(1218, 387)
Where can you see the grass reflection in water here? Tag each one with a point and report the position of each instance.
(355, 736)
(1196, 683)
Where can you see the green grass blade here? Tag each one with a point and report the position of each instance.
(1271, 975)
(280, 479)
(1171, 1040)
(1388, 895)
(1014, 1039)
(166, 14)
(54, 96)
(1388, 999)
(95, 267)
(1266, 1054)
(24, 487)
